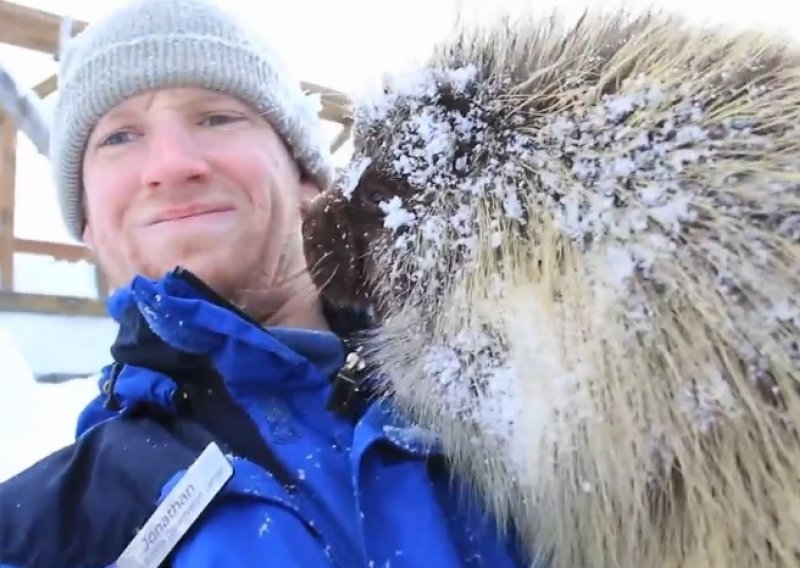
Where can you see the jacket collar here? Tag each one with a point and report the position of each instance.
(173, 329)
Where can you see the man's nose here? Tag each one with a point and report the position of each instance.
(174, 158)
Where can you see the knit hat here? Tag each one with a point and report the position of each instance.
(152, 44)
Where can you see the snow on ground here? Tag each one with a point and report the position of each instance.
(60, 344)
(35, 419)
(38, 418)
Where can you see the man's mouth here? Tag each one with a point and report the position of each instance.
(188, 212)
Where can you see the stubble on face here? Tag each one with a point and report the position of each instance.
(253, 254)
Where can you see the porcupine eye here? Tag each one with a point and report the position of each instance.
(374, 194)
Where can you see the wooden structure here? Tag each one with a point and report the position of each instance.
(41, 31)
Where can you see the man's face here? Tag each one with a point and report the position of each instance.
(193, 178)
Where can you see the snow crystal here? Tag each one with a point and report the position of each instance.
(473, 378)
(672, 214)
(790, 227)
(707, 400)
(396, 214)
(623, 167)
(619, 106)
(460, 78)
(433, 228)
(352, 175)
(409, 436)
(786, 309)
(620, 265)
(689, 134)
(265, 526)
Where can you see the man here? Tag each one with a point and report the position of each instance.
(183, 153)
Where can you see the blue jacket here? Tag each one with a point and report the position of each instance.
(311, 486)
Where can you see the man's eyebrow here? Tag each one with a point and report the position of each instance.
(212, 97)
(119, 115)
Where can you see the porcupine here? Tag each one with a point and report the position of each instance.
(582, 247)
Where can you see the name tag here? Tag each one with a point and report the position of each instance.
(178, 511)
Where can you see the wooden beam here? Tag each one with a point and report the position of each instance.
(51, 305)
(342, 137)
(31, 28)
(8, 174)
(59, 251)
(46, 87)
(336, 105)
(331, 95)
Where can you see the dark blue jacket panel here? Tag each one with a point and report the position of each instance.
(81, 505)
(311, 487)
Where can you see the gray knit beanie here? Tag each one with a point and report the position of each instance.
(152, 44)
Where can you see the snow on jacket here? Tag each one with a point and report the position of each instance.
(311, 487)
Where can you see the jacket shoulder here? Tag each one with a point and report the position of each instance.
(81, 505)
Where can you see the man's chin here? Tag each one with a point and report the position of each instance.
(215, 265)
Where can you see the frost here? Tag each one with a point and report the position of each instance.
(396, 215)
(472, 364)
(672, 214)
(689, 134)
(707, 400)
(265, 526)
(461, 78)
(352, 176)
(785, 309)
(409, 436)
(620, 265)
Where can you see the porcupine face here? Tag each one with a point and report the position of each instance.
(341, 232)
(401, 220)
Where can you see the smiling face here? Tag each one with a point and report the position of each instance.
(197, 179)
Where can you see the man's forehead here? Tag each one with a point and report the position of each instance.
(174, 97)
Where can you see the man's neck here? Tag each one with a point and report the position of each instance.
(298, 307)
(299, 311)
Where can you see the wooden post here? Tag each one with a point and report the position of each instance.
(342, 137)
(8, 174)
(31, 28)
(46, 87)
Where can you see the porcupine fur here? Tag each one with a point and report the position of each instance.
(582, 244)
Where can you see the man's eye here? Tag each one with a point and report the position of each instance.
(115, 138)
(220, 119)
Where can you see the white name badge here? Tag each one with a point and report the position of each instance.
(178, 511)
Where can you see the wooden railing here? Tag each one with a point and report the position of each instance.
(34, 29)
